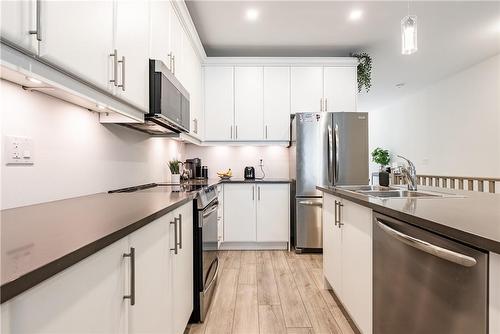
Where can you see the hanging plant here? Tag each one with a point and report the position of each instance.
(364, 70)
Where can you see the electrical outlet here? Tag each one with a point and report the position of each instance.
(18, 151)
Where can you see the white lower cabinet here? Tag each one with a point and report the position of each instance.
(256, 212)
(88, 297)
(273, 210)
(239, 212)
(347, 256)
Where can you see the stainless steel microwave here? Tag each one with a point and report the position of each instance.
(168, 103)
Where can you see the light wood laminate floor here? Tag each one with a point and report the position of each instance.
(272, 292)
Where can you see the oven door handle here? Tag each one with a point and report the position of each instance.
(429, 248)
(213, 278)
(212, 210)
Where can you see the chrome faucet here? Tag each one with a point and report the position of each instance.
(410, 173)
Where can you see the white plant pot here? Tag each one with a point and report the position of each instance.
(175, 178)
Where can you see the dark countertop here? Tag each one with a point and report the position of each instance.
(473, 219)
(265, 180)
(38, 241)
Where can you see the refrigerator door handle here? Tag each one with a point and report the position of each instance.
(336, 137)
(330, 156)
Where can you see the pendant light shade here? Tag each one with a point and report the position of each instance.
(409, 35)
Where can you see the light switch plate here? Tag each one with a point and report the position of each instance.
(18, 151)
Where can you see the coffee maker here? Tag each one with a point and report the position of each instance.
(193, 168)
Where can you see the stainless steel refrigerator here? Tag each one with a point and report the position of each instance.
(327, 148)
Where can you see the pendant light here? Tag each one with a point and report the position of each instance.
(409, 33)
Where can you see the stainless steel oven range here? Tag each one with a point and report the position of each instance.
(206, 261)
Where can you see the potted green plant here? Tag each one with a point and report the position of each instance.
(174, 166)
(381, 157)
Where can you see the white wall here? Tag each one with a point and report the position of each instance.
(74, 154)
(220, 158)
(449, 128)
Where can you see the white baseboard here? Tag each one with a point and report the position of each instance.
(254, 245)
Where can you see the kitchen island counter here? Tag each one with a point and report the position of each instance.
(471, 217)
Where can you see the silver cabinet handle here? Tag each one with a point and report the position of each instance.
(429, 248)
(253, 193)
(326, 104)
(115, 66)
(340, 214)
(231, 131)
(266, 132)
(173, 62)
(131, 295)
(236, 131)
(195, 125)
(258, 193)
(38, 31)
(321, 104)
(170, 61)
(175, 249)
(179, 220)
(311, 203)
(336, 212)
(123, 73)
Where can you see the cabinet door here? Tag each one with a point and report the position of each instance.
(277, 103)
(17, 18)
(85, 298)
(332, 245)
(239, 212)
(248, 103)
(192, 82)
(307, 89)
(182, 270)
(78, 36)
(160, 31)
(152, 312)
(218, 102)
(177, 36)
(340, 89)
(273, 208)
(132, 43)
(357, 264)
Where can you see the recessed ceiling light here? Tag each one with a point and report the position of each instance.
(252, 14)
(33, 80)
(355, 15)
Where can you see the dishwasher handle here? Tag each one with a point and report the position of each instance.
(429, 248)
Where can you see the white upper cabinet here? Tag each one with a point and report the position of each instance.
(17, 19)
(74, 44)
(132, 43)
(218, 103)
(277, 103)
(239, 213)
(307, 89)
(273, 208)
(192, 82)
(340, 89)
(160, 31)
(248, 103)
(177, 36)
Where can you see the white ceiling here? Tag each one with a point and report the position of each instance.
(451, 36)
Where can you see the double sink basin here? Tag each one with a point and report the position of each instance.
(392, 192)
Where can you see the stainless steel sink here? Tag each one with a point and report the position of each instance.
(401, 194)
(393, 192)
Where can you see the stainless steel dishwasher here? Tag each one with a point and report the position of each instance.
(424, 283)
